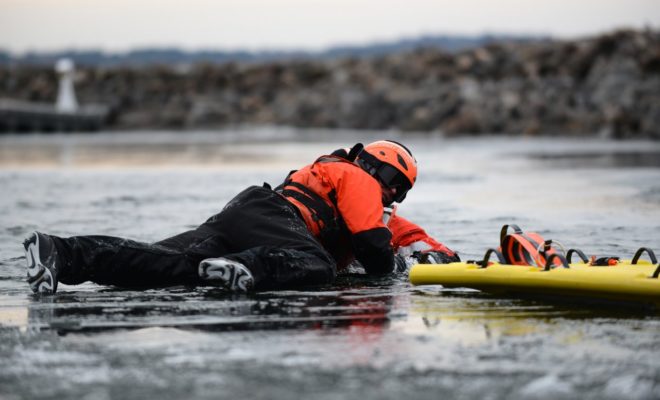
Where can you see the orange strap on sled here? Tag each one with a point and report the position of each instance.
(519, 248)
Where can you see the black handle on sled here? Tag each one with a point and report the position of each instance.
(641, 251)
(505, 230)
(551, 258)
(489, 252)
(652, 257)
(579, 252)
(656, 273)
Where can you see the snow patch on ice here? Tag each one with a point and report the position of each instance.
(547, 386)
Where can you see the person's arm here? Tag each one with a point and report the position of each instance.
(409, 239)
(359, 200)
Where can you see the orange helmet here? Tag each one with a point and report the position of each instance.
(392, 164)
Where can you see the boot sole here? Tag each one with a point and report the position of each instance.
(230, 276)
(39, 276)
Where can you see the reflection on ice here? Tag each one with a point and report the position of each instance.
(418, 337)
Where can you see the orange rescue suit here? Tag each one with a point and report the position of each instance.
(341, 205)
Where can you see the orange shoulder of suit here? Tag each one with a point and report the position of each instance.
(357, 195)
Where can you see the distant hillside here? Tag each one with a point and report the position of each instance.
(173, 56)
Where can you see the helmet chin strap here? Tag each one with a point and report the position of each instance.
(387, 195)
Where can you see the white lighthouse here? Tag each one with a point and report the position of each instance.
(66, 96)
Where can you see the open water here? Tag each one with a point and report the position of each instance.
(358, 338)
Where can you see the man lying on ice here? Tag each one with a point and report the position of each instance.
(319, 220)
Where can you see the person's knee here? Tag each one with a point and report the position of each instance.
(320, 271)
(277, 267)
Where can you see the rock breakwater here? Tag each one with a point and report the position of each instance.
(608, 85)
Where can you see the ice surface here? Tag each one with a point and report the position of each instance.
(358, 338)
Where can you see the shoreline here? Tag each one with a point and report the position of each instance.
(608, 84)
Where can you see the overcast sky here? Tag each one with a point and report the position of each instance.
(118, 25)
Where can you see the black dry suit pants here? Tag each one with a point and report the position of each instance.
(257, 228)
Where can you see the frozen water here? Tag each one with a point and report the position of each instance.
(358, 338)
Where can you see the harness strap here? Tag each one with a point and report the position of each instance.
(320, 210)
(329, 222)
(286, 181)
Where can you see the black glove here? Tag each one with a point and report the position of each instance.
(400, 263)
(435, 257)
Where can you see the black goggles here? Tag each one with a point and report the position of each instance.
(393, 179)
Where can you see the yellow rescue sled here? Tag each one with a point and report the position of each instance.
(631, 281)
